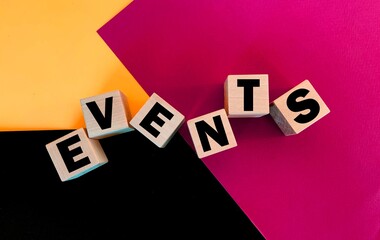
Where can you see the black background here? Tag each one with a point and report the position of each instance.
(143, 192)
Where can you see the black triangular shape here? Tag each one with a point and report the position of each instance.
(143, 192)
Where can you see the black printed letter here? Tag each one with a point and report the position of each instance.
(219, 135)
(68, 155)
(152, 116)
(310, 104)
(248, 85)
(103, 121)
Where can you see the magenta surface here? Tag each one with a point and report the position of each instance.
(323, 183)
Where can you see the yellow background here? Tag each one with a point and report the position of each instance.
(51, 57)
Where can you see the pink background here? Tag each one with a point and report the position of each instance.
(323, 183)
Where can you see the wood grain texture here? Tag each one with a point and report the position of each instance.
(246, 95)
(286, 119)
(117, 114)
(79, 151)
(209, 145)
(158, 120)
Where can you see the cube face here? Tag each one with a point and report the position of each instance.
(246, 95)
(157, 120)
(106, 114)
(211, 133)
(75, 154)
(298, 108)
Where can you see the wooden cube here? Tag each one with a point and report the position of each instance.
(298, 108)
(157, 120)
(211, 133)
(106, 114)
(75, 154)
(246, 95)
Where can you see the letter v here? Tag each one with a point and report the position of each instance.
(103, 121)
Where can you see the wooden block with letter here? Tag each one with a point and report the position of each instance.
(211, 133)
(157, 120)
(246, 95)
(298, 108)
(106, 114)
(76, 154)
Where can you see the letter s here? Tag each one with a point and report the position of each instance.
(310, 104)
